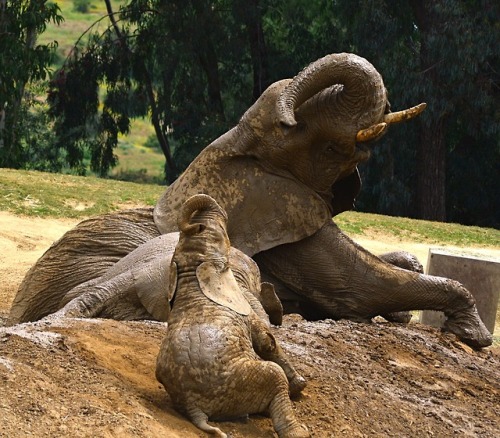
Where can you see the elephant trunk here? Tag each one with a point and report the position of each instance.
(198, 203)
(348, 95)
(346, 80)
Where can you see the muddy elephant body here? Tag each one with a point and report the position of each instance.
(136, 287)
(281, 174)
(219, 358)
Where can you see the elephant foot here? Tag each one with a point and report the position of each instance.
(296, 385)
(295, 431)
(467, 325)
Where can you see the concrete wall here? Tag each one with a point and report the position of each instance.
(480, 276)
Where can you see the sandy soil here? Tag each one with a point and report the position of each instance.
(95, 378)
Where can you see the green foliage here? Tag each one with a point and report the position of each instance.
(24, 62)
(82, 6)
(444, 53)
(193, 67)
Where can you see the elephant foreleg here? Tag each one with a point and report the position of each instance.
(114, 298)
(404, 260)
(342, 280)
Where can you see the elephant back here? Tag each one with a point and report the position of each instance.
(80, 255)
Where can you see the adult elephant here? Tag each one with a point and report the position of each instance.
(281, 174)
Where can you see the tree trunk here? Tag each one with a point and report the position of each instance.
(209, 63)
(159, 126)
(431, 171)
(208, 58)
(431, 150)
(251, 15)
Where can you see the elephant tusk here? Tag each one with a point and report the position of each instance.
(377, 130)
(372, 132)
(402, 116)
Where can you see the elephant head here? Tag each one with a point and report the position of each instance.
(291, 162)
(317, 125)
(204, 248)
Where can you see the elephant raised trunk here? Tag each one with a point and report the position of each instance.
(342, 84)
(345, 81)
(202, 205)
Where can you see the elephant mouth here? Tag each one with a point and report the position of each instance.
(363, 151)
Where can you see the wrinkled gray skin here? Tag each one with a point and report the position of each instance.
(135, 288)
(281, 174)
(219, 359)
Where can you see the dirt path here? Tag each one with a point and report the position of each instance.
(22, 241)
(95, 378)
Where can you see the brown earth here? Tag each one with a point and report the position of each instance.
(96, 377)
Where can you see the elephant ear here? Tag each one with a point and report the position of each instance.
(153, 285)
(221, 288)
(265, 209)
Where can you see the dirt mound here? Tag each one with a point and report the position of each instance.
(96, 378)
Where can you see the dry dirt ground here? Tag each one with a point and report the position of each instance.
(95, 378)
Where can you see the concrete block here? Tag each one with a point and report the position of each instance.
(480, 275)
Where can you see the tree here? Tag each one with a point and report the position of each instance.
(23, 62)
(194, 66)
(163, 60)
(445, 53)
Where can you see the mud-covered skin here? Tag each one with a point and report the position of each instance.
(135, 288)
(281, 174)
(219, 358)
(405, 260)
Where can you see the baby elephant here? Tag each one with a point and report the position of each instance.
(219, 358)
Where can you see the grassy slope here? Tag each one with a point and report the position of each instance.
(64, 196)
(44, 194)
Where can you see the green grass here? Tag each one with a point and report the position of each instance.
(418, 230)
(75, 24)
(65, 196)
(133, 156)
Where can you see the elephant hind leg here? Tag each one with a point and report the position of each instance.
(405, 260)
(272, 383)
(267, 348)
(283, 418)
(258, 386)
(399, 317)
(200, 420)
